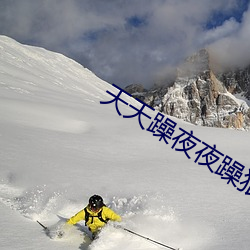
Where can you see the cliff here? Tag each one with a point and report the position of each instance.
(202, 97)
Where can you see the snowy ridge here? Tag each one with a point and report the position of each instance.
(59, 145)
(38, 74)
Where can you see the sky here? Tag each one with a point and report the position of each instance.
(132, 41)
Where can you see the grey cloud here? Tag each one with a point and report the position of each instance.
(102, 36)
(233, 49)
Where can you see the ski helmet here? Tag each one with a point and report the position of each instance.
(95, 202)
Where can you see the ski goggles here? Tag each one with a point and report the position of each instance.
(94, 208)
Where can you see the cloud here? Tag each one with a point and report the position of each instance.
(121, 41)
(232, 50)
(228, 28)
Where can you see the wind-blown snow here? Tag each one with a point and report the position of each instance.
(59, 145)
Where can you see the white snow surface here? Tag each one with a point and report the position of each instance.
(59, 146)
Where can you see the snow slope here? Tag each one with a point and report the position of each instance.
(59, 145)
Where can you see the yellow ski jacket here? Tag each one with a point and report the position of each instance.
(94, 223)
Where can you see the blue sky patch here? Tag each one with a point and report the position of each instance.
(219, 17)
(136, 21)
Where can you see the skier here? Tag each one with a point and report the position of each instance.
(95, 214)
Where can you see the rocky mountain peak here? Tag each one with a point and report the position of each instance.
(201, 97)
(194, 65)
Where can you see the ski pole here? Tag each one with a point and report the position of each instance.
(146, 238)
(45, 228)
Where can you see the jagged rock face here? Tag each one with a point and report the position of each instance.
(133, 88)
(237, 81)
(136, 90)
(199, 97)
